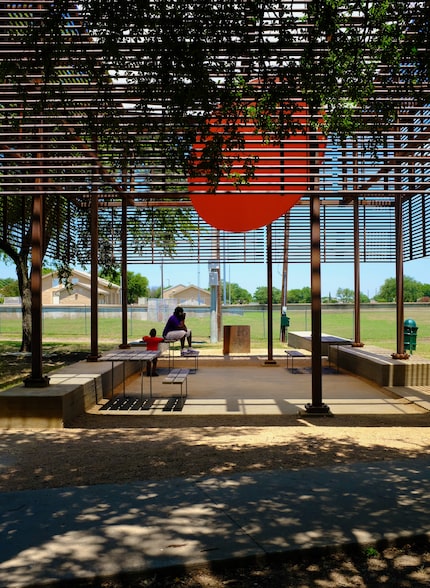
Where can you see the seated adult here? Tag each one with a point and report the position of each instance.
(175, 329)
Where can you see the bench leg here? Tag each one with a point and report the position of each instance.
(186, 389)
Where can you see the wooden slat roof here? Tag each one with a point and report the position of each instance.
(51, 150)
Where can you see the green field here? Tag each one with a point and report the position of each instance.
(378, 326)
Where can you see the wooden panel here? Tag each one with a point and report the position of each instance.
(237, 339)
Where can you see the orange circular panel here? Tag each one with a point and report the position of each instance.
(281, 174)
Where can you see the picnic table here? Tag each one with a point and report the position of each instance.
(124, 355)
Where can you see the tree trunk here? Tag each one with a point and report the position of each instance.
(24, 286)
(25, 292)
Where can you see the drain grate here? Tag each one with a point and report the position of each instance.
(127, 403)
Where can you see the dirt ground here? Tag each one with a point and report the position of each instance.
(101, 449)
(98, 449)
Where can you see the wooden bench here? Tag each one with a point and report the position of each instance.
(178, 376)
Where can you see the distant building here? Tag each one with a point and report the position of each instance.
(188, 295)
(80, 294)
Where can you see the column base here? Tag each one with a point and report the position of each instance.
(31, 382)
(400, 355)
(322, 410)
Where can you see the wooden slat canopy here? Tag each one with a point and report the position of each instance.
(52, 152)
(75, 131)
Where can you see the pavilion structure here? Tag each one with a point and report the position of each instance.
(77, 198)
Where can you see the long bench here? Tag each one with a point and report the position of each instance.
(72, 390)
(378, 366)
(303, 340)
(178, 376)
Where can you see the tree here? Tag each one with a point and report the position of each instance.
(9, 287)
(343, 46)
(189, 56)
(17, 220)
(63, 250)
(93, 162)
(302, 295)
(236, 294)
(154, 292)
(364, 298)
(261, 295)
(137, 287)
(426, 289)
(345, 295)
(412, 290)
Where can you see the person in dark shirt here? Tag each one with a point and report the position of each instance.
(176, 329)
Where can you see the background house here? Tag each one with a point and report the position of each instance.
(188, 295)
(55, 293)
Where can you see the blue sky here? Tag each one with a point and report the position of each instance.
(251, 276)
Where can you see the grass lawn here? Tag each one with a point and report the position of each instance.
(378, 326)
(67, 339)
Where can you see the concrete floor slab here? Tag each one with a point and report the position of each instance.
(268, 390)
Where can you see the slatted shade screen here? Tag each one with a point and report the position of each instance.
(56, 139)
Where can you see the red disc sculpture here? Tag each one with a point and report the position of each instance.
(280, 178)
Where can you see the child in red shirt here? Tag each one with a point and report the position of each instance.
(152, 342)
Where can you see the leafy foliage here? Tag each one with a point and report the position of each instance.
(188, 47)
(412, 290)
(262, 297)
(345, 295)
(9, 287)
(137, 285)
(198, 61)
(236, 294)
(299, 295)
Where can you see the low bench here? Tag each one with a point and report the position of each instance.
(294, 353)
(192, 353)
(178, 376)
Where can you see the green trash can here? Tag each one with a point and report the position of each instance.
(410, 335)
(285, 321)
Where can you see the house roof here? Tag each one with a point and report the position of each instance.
(83, 286)
(182, 288)
(79, 273)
